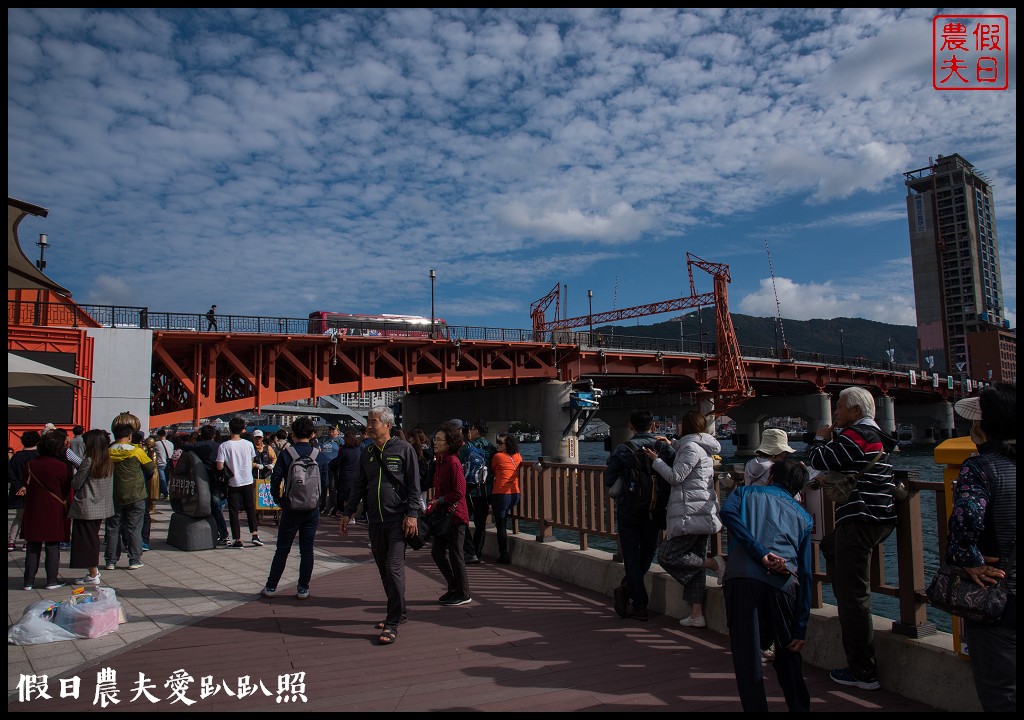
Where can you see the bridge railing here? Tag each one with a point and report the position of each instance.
(573, 498)
(116, 316)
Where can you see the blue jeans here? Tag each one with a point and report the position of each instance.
(295, 522)
(217, 510)
(501, 506)
(162, 469)
(638, 538)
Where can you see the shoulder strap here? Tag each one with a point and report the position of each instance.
(872, 463)
(291, 453)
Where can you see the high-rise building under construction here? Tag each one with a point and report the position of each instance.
(961, 325)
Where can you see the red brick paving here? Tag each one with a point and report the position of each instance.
(526, 643)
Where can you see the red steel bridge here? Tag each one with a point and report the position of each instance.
(257, 361)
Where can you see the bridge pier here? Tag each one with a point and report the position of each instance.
(815, 409)
(931, 423)
(544, 404)
(885, 414)
(615, 410)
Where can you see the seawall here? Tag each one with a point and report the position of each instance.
(926, 670)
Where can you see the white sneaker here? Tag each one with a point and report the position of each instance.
(695, 622)
(268, 592)
(89, 580)
(719, 571)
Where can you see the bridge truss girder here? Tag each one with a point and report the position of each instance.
(196, 376)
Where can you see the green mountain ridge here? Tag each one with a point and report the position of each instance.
(849, 337)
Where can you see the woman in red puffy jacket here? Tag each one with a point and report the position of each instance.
(47, 501)
(450, 497)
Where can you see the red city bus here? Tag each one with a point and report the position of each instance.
(322, 322)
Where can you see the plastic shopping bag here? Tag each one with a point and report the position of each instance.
(82, 616)
(90, 616)
(37, 627)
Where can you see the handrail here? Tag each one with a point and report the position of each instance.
(574, 498)
(53, 314)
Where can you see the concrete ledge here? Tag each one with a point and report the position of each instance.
(926, 670)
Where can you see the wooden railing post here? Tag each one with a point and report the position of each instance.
(545, 504)
(913, 620)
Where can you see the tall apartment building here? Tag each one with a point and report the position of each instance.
(958, 287)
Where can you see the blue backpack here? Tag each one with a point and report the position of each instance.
(475, 470)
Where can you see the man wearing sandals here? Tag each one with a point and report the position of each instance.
(388, 483)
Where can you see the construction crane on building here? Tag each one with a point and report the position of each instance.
(733, 384)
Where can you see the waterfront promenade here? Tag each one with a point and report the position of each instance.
(527, 643)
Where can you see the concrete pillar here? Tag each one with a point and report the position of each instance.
(707, 407)
(618, 425)
(748, 437)
(947, 425)
(819, 411)
(885, 414)
(555, 416)
(920, 433)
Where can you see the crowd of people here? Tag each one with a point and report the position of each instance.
(64, 488)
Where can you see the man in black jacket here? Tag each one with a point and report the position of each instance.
(388, 482)
(293, 522)
(638, 530)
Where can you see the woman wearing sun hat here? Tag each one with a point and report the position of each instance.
(982, 538)
(774, 446)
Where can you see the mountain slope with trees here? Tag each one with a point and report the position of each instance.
(854, 337)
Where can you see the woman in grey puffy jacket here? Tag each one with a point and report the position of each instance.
(692, 512)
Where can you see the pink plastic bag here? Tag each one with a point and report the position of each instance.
(91, 619)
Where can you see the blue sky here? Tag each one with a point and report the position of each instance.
(279, 162)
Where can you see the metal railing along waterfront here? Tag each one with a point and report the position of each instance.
(573, 498)
(52, 314)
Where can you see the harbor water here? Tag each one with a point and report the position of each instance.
(914, 458)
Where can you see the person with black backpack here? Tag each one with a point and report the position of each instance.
(639, 511)
(295, 487)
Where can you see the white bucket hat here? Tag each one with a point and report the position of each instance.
(969, 408)
(773, 442)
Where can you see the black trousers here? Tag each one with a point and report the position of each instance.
(447, 554)
(239, 497)
(387, 543)
(474, 542)
(750, 603)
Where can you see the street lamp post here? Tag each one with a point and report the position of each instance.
(842, 347)
(42, 244)
(590, 313)
(432, 276)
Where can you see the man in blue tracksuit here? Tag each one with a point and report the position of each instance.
(768, 583)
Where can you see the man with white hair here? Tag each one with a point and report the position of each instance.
(388, 483)
(851, 444)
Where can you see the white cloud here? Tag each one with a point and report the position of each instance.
(380, 143)
(621, 223)
(805, 301)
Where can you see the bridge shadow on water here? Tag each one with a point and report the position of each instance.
(527, 642)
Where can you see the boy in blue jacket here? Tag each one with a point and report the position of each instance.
(768, 584)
